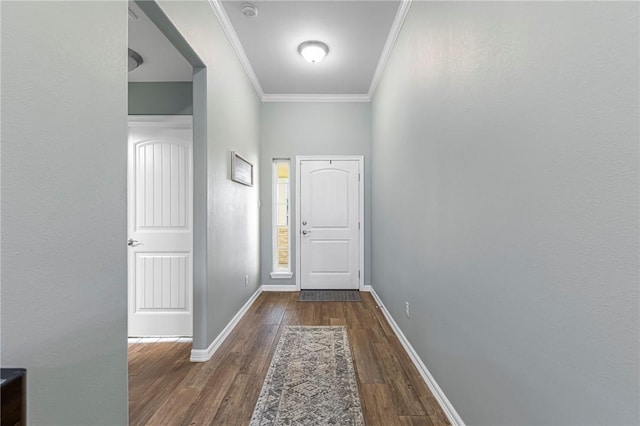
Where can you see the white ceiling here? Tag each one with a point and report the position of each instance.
(161, 61)
(359, 34)
(355, 31)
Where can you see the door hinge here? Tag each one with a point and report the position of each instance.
(358, 177)
(358, 274)
(358, 225)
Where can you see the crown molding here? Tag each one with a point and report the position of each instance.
(222, 16)
(398, 21)
(315, 98)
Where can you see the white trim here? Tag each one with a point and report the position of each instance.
(361, 265)
(279, 273)
(232, 36)
(297, 227)
(330, 157)
(315, 98)
(398, 21)
(360, 160)
(276, 275)
(445, 404)
(267, 288)
(204, 355)
(174, 121)
(222, 16)
(159, 339)
(366, 288)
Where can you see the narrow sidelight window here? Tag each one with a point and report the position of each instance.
(281, 219)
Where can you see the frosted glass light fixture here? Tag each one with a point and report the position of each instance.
(313, 51)
(135, 60)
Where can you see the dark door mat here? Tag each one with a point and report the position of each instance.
(329, 296)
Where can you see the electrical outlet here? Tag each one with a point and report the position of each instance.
(406, 308)
(246, 281)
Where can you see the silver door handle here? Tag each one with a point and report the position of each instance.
(131, 242)
(306, 232)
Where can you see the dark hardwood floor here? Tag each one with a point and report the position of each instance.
(165, 388)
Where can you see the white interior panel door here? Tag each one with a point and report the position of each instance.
(160, 190)
(329, 224)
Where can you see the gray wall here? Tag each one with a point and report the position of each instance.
(290, 129)
(226, 120)
(505, 146)
(161, 98)
(64, 155)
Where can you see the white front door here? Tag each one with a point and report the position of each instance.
(160, 188)
(328, 223)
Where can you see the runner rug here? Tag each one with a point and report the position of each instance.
(311, 380)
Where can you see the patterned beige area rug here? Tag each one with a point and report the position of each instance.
(311, 380)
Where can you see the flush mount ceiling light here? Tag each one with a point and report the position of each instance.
(313, 51)
(135, 60)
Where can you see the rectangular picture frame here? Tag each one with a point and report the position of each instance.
(241, 170)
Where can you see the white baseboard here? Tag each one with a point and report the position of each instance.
(204, 355)
(278, 287)
(437, 392)
(267, 287)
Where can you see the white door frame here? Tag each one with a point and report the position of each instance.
(165, 121)
(360, 160)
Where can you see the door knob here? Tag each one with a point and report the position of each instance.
(306, 232)
(131, 242)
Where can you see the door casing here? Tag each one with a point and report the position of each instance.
(360, 160)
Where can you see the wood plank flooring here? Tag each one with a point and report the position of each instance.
(165, 388)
